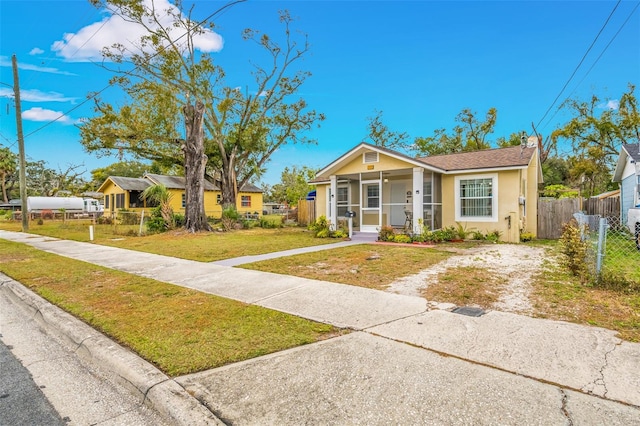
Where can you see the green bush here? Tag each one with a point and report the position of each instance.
(574, 250)
(402, 238)
(340, 233)
(386, 233)
(155, 225)
(231, 219)
(179, 220)
(526, 237)
(320, 227)
(617, 282)
(271, 222)
(478, 236)
(494, 236)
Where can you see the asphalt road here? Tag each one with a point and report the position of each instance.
(74, 392)
(21, 400)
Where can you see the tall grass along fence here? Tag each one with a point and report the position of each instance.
(612, 250)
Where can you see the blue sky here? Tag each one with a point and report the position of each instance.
(420, 62)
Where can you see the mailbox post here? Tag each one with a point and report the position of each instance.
(350, 214)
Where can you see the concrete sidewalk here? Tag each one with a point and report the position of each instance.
(408, 361)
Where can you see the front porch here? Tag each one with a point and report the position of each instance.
(404, 198)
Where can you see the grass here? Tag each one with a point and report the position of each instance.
(560, 296)
(179, 330)
(366, 265)
(555, 294)
(204, 247)
(622, 256)
(467, 286)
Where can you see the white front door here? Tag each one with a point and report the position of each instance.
(370, 219)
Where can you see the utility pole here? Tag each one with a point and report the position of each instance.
(23, 163)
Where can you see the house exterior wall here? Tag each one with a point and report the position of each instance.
(510, 186)
(628, 198)
(211, 206)
(384, 163)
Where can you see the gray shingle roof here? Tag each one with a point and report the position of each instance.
(177, 182)
(634, 150)
(488, 159)
(131, 184)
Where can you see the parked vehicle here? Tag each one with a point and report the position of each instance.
(633, 222)
(68, 204)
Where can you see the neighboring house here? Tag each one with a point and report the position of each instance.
(627, 173)
(126, 193)
(491, 190)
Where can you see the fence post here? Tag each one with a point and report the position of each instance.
(602, 242)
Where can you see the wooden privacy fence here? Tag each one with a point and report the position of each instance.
(553, 213)
(606, 207)
(306, 212)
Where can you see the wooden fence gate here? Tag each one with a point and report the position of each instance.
(306, 212)
(553, 214)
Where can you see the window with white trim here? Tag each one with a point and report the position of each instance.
(476, 198)
(183, 202)
(342, 200)
(245, 201)
(372, 199)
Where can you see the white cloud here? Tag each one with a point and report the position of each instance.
(6, 62)
(610, 104)
(36, 51)
(40, 114)
(36, 96)
(88, 42)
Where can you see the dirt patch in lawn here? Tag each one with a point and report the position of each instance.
(491, 276)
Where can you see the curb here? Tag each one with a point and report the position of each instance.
(145, 381)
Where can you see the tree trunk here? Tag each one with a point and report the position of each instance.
(3, 178)
(194, 169)
(229, 188)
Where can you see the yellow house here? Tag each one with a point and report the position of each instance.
(487, 191)
(126, 193)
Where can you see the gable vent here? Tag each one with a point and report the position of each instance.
(370, 157)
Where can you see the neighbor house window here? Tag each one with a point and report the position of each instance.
(476, 198)
(246, 201)
(218, 199)
(119, 201)
(106, 201)
(184, 201)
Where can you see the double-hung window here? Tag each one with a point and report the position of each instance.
(476, 198)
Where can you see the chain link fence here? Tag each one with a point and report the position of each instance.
(612, 247)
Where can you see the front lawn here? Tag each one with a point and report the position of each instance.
(204, 247)
(179, 330)
(364, 265)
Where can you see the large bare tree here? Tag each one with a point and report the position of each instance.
(229, 133)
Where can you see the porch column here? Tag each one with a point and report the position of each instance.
(333, 205)
(418, 179)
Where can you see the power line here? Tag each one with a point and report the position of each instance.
(599, 56)
(199, 24)
(581, 61)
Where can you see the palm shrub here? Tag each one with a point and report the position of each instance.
(320, 228)
(160, 195)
